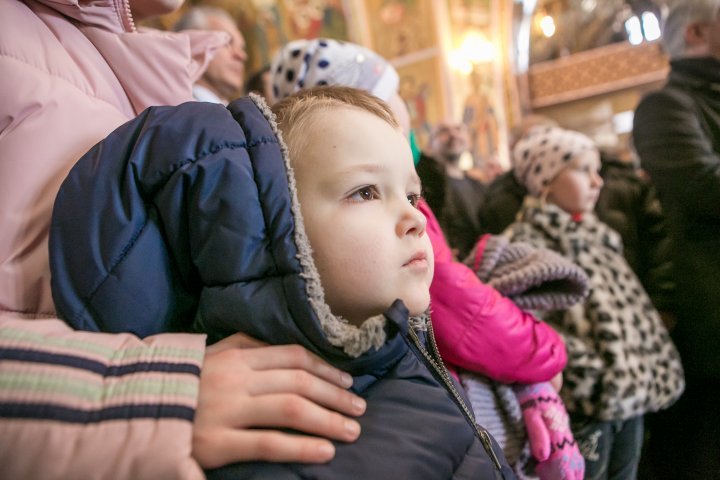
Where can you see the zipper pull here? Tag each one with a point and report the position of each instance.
(481, 431)
(487, 443)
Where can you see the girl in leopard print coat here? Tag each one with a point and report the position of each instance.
(621, 361)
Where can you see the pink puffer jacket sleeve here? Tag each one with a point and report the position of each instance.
(478, 329)
(91, 405)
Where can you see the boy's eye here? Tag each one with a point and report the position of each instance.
(365, 194)
(414, 199)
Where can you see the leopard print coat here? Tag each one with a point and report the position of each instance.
(621, 360)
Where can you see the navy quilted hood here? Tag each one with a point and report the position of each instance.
(186, 219)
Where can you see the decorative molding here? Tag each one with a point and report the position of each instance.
(594, 72)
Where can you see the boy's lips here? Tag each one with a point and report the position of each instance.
(419, 259)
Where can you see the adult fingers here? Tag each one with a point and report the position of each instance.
(294, 357)
(295, 412)
(231, 446)
(305, 384)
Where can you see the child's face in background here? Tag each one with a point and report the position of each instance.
(577, 187)
(358, 188)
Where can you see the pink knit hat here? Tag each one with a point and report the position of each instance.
(309, 63)
(541, 154)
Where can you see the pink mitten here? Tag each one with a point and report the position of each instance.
(548, 429)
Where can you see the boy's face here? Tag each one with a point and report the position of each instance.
(358, 189)
(577, 187)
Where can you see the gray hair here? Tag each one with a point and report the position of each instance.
(681, 14)
(196, 18)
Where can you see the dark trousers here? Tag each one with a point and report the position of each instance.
(611, 449)
(684, 441)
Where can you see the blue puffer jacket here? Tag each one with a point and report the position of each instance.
(186, 219)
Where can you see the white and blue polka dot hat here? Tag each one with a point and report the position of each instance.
(309, 63)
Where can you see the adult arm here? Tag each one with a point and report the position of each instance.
(78, 404)
(116, 406)
(478, 329)
(677, 152)
(655, 250)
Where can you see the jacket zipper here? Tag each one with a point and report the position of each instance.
(436, 362)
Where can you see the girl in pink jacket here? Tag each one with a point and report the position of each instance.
(480, 330)
(488, 341)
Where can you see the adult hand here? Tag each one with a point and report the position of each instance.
(248, 391)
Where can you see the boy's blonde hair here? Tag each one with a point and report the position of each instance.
(294, 114)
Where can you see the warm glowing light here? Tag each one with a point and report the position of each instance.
(588, 5)
(651, 26)
(459, 63)
(475, 49)
(634, 31)
(547, 25)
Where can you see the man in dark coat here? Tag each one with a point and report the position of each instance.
(677, 135)
(454, 195)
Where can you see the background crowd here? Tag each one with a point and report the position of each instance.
(622, 339)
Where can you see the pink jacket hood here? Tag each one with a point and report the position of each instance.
(87, 70)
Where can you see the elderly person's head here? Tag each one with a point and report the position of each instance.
(309, 63)
(225, 74)
(448, 141)
(692, 28)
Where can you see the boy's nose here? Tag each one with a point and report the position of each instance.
(412, 222)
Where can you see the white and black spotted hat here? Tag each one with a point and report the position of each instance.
(543, 152)
(309, 63)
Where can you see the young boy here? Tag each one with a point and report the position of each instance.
(201, 217)
(475, 327)
(621, 361)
